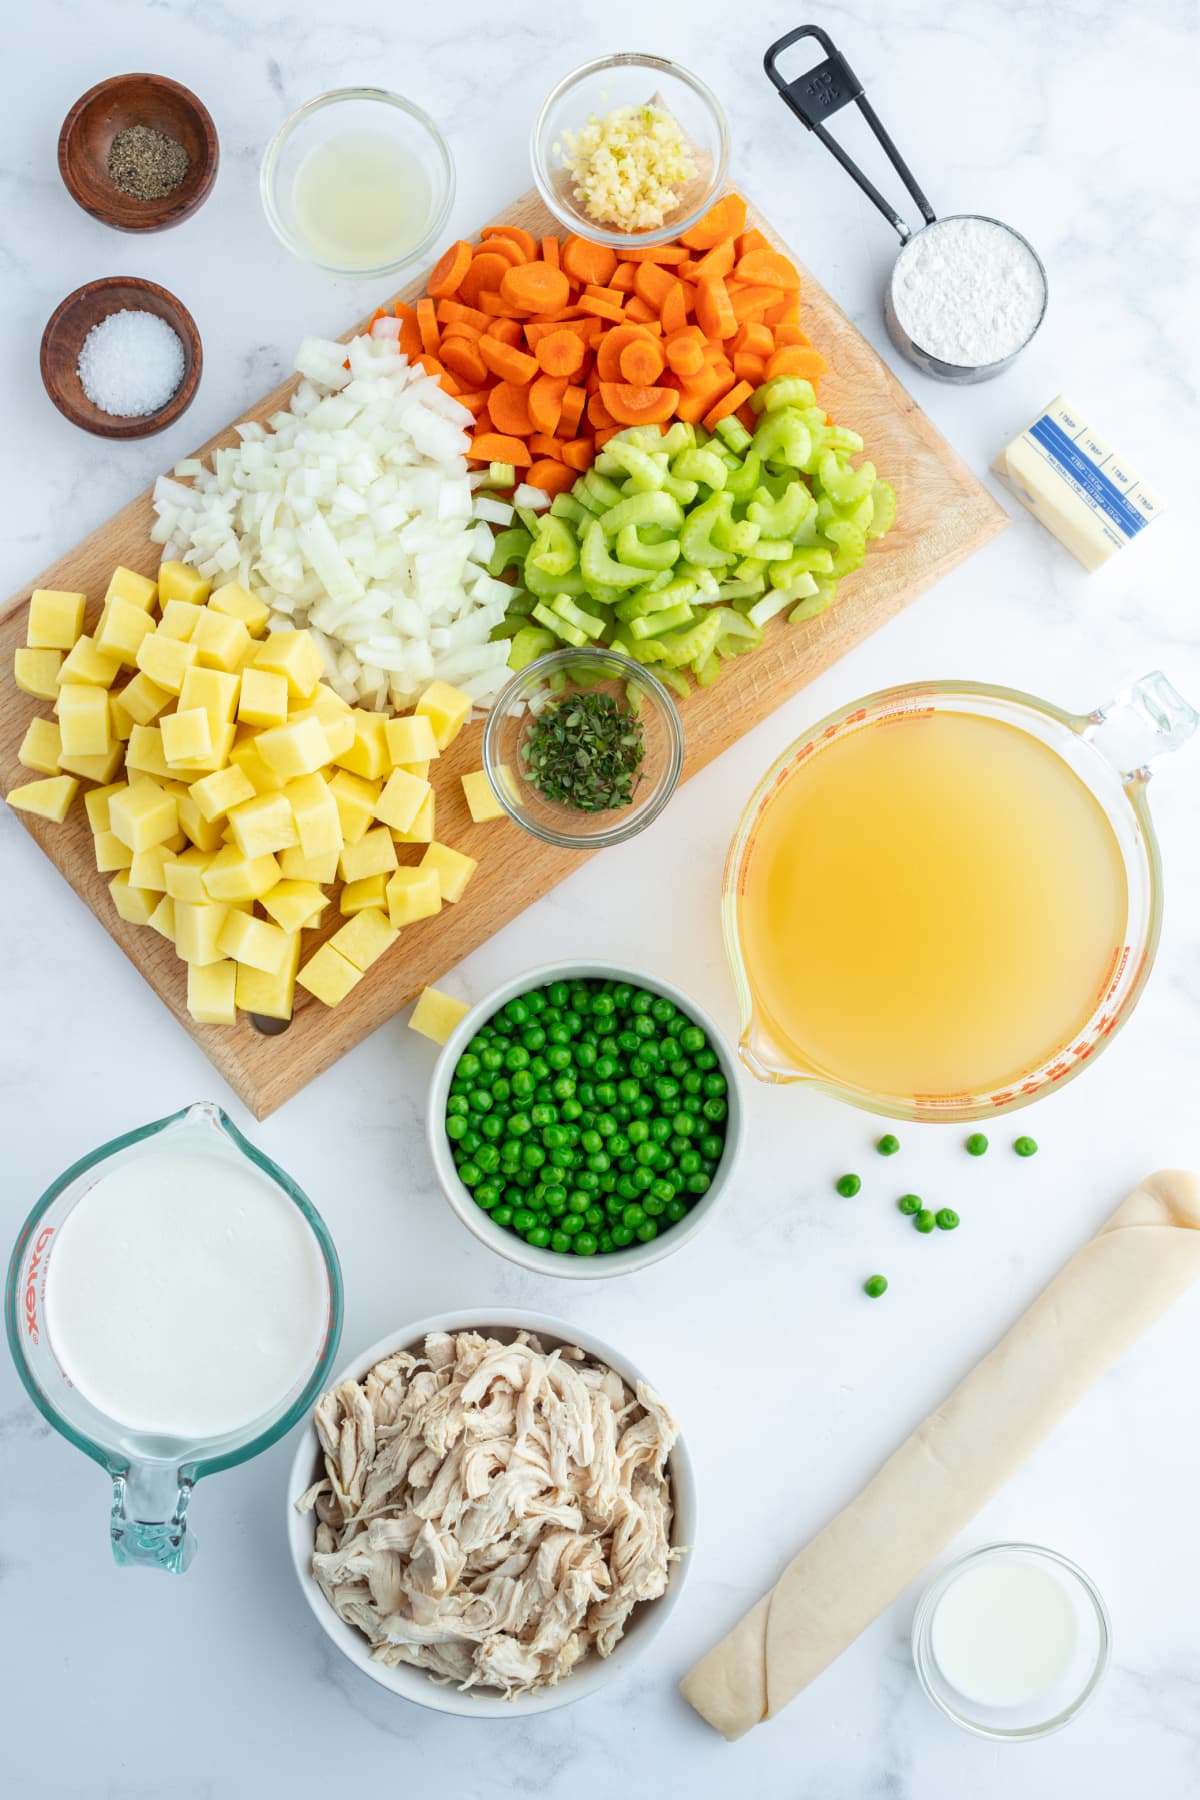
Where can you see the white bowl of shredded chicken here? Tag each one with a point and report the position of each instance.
(491, 1519)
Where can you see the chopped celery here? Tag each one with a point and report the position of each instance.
(814, 603)
(883, 495)
(657, 623)
(498, 475)
(511, 546)
(636, 553)
(704, 466)
(565, 506)
(597, 567)
(570, 634)
(586, 622)
(643, 509)
(731, 430)
(602, 492)
(528, 645)
(554, 549)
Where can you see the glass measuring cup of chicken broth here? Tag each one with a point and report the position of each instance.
(944, 899)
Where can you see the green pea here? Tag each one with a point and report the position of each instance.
(558, 993)
(660, 1130)
(523, 1084)
(560, 1241)
(468, 1066)
(691, 1039)
(847, 1186)
(456, 1127)
(946, 1219)
(571, 1109)
(640, 1001)
(532, 1156)
(488, 1158)
(924, 1220)
(622, 1235)
(654, 1208)
(572, 1224)
(593, 1218)
(536, 1001)
(517, 1011)
(976, 1144)
(487, 1195)
(538, 1236)
(564, 1087)
(503, 1215)
(668, 1049)
(642, 1178)
(470, 1174)
(556, 1198)
(714, 1111)
(492, 1058)
(875, 1285)
(910, 1203)
(698, 1184)
(711, 1146)
(523, 1220)
(1025, 1146)
(715, 1086)
(705, 1060)
(633, 1216)
(586, 1055)
(558, 1056)
(602, 1006)
(618, 1145)
(676, 1210)
(887, 1145)
(517, 1057)
(578, 1200)
(647, 1231)
(684, 1124)
(605, 1243)
(533, 1038)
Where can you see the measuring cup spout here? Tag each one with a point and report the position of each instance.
(148, 1524)
(764, 1059)
(1141, 727)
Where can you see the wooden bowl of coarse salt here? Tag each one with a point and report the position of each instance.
(121, 357)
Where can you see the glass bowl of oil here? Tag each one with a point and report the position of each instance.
(358, 181)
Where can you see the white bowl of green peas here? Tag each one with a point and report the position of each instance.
(585, 1119)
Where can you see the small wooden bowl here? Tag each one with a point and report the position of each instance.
(69, 325)
(110, 107)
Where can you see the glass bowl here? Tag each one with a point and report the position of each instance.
(1058, 1705)
(630, 80)
(341, 112)
(559, 674)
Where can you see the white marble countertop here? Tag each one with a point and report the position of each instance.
(791, 1387)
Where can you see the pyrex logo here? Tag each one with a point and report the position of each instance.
(31, 1281)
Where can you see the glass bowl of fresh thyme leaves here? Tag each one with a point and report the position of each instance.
(583, 748)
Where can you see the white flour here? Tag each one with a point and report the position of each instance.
(968, 291)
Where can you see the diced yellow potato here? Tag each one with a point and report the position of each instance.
(482, 803)
(413, 894)
(421, 829)
(186, 736)
(232, 876)
(401, 800)
(205, 834)
(293, 654)
(271, 996)
(97, 801)
(295, 749)
(263, 700)
(162, 919)
(244, 756)
(179, 620)
(222, 744)
(213, 689)
(166, 660)
(197, 927)
(211, 990)
(294, 904)
(119, 721)
(295, 866)
(356, 896)
(365, 937)
(176, 581)
(447, 709)
(93, 768)
(111, 853)
(36, 672)
(134, 905)
(215, 794)
(220, 642)
(121, 629)
(41, 747)
(83, 720)
(55, 619)
(254, 942)
(238, 604)
(411, 739)
(436, 1014)
(143, 814)
(451, 867)
(184, 876)
(355, 800)
(144, 754)
(48, 799)
(337, 727)
(149, 866)
(142, 700)
(328, 704)
(87, 664)
(368, 754)
(134, 589)
(315, 812)
(263, 825)
(329, 976)
(374, 854)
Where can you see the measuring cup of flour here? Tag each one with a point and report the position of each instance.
(173, 1306)
(967, 293)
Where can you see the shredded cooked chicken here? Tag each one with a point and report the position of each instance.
(491, 1512)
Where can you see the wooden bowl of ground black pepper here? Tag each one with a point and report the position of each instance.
(139, 152)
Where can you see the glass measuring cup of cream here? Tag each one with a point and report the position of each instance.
(945, 898)
(173, 1306)
(1011, 1641)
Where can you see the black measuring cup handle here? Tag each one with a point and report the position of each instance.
(822, 91)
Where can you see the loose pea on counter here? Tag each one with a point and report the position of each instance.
(587, 1115)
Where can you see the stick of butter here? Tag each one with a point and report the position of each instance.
(1077, 485)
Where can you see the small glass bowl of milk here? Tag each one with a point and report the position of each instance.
(358, 181)
(173, 1306)
(1011, 1641)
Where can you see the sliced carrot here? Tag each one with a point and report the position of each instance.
(603, 293)
(461, 355)
(574, 401)
(749, 368)
(624, 277)
(751, 302)
(747, 417)
(428, 327)
(714, 308)
(543, 443)
(697, 399)
(687, 270)
(578, 454)
(785, 312)
(630, 405)
(496, 308)
(752, 240)
(728, 403)
(608, 353)
(561, 353)
(475, 401)
(454, 312)
(495, 446)
(506, 361)
(484, 276)
(591, 383)
(652, 283)
(410, 332)
(545, 402)
(810, 365)
(754, 339)
(459, 328)
(523, 239)
(585, 262)
(535, 287)
(719, 260)
(685, 355)
(430, 364)
(598, 414)
(550, 251)
(656, 253)
(447, 273)
(638, 309)
(505, 331)
(767, 268)
(603, 309)
(552, 477)
(642, 361)
(790, 334)
(608, 431)
(508, 405)
(726, 219)
(674, 307)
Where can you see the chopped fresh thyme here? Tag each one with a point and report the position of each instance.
(584, 751)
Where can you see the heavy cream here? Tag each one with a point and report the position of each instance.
(186, 1294)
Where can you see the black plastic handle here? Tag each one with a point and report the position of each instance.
(824, 90)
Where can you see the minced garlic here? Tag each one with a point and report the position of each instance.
(630, 167)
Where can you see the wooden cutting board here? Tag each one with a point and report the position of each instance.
(944, 515)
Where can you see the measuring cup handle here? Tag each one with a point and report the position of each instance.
(151, 1543)
(1138, 729)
